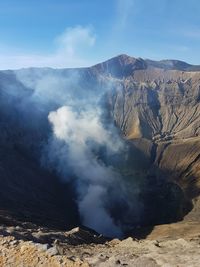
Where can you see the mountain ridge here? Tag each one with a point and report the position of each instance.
(168, 64)
(124, 59)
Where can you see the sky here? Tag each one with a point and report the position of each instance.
(79, 33)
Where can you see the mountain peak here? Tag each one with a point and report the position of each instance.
(121, 65)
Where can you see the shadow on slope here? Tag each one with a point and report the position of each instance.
(164, 201)
(31, 194)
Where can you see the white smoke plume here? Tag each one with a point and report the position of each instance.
(78, 130)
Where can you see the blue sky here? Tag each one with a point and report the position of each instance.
(74, 33)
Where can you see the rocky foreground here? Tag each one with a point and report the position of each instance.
(167, 245)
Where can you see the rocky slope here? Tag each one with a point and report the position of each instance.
(156, 105)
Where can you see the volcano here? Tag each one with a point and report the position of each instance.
(154, 108)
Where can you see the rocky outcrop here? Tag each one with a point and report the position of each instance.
(23, 246)
(157, 107)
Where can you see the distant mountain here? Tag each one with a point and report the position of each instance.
(124, 65)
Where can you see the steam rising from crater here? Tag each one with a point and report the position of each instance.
(76, 139)
(83, 136)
